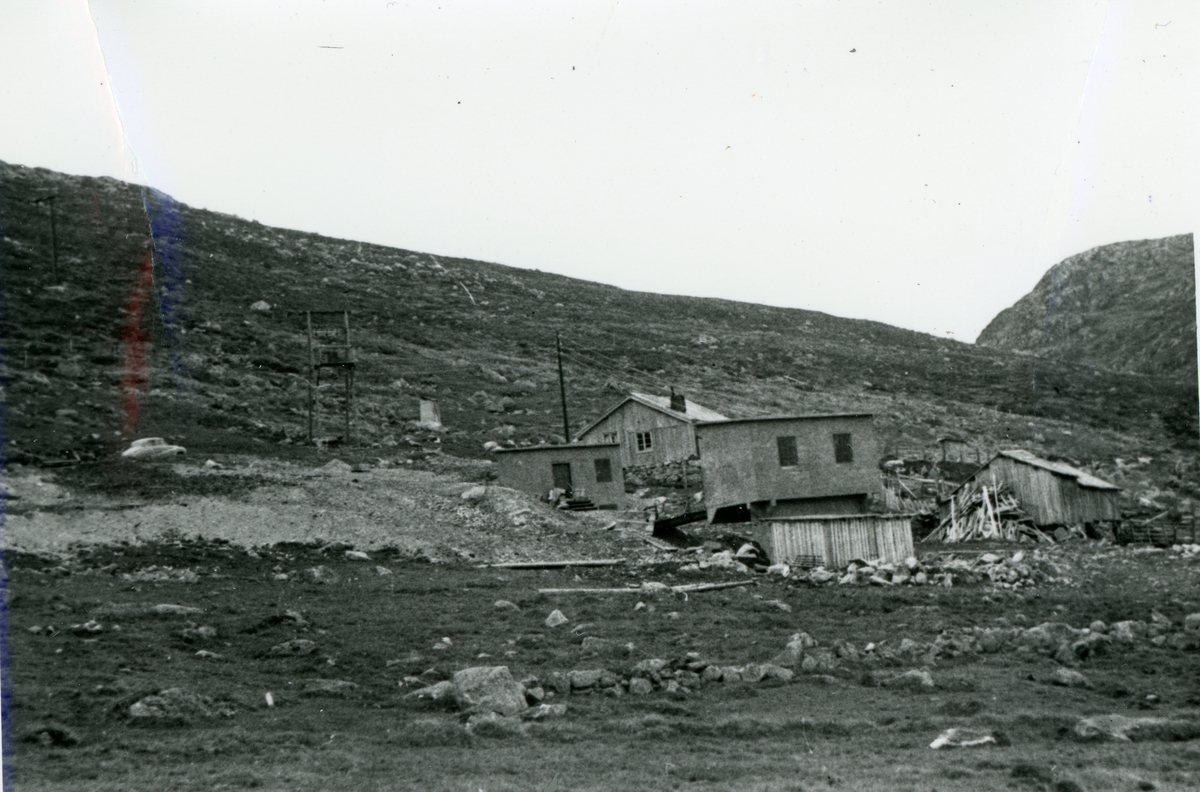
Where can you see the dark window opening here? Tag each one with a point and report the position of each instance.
(644, 441)
(603, 471)
(788, 456)
(843, 451)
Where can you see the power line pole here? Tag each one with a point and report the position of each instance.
(562, 389)
(49, 199)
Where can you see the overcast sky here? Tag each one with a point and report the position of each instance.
(917, 163)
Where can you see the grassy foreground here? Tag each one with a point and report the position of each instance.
(72, 687)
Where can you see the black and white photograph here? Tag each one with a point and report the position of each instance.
(599, 395)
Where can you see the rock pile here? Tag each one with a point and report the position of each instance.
(1013, 572)
(491, 692)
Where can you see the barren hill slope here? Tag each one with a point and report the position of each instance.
(1130, 306)
(149, 330)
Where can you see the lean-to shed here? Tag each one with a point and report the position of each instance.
(583, 470)
(802, 465)
(652, 430)
(1052, 493)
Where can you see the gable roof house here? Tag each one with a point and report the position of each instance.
(1052, 493)
(652, 430)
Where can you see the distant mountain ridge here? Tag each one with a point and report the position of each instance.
(1129, 306)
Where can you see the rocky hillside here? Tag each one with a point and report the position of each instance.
(1130, 306)
(173, 321)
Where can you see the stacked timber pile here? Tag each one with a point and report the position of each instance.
(983, 512)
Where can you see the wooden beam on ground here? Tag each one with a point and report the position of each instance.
(601, 562)
(690, 588)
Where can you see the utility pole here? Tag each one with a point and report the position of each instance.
(49, 199)
(562, 389)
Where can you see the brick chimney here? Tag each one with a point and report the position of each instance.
(678, 403)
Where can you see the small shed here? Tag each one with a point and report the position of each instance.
(834, 541)
(789, 466)
(582, 470)
(1051, 493)
(652, 430)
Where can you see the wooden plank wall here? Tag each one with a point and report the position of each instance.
(1051, 499)
(838, 540)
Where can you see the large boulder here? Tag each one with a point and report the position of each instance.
(490, 689)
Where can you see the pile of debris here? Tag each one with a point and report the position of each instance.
(982, 512)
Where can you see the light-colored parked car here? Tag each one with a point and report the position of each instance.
(152, 448)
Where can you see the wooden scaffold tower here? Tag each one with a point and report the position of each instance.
(329, 348)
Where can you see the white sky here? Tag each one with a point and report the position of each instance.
(728, 149)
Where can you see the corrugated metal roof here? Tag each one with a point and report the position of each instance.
(1062, 469)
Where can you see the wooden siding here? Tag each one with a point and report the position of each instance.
(1051, 499)
(837, 540)
(531, 470)
(673, 439)
(740, 460)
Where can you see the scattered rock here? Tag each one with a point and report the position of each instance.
(294, 648)
(640, 686)
(966, 738)
(437, 693)
(475, 494)
(51, 735)
(327, 687)
(1068, 678)
(489, 688)
(176, 705)
(193, 634)
(261, 306)
(382, 570)
(596, 647)
(505, 605)
(496, 726)
(1121, 728)
(584, 680)
(322, 574)
(1091, 645)
(336, 467)
(357, 555)
(556, 619)
(204, 654)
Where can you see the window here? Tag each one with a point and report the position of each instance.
(787, 451)
(644, 441)
(603, 471)
(843, 451)
(609, 437)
